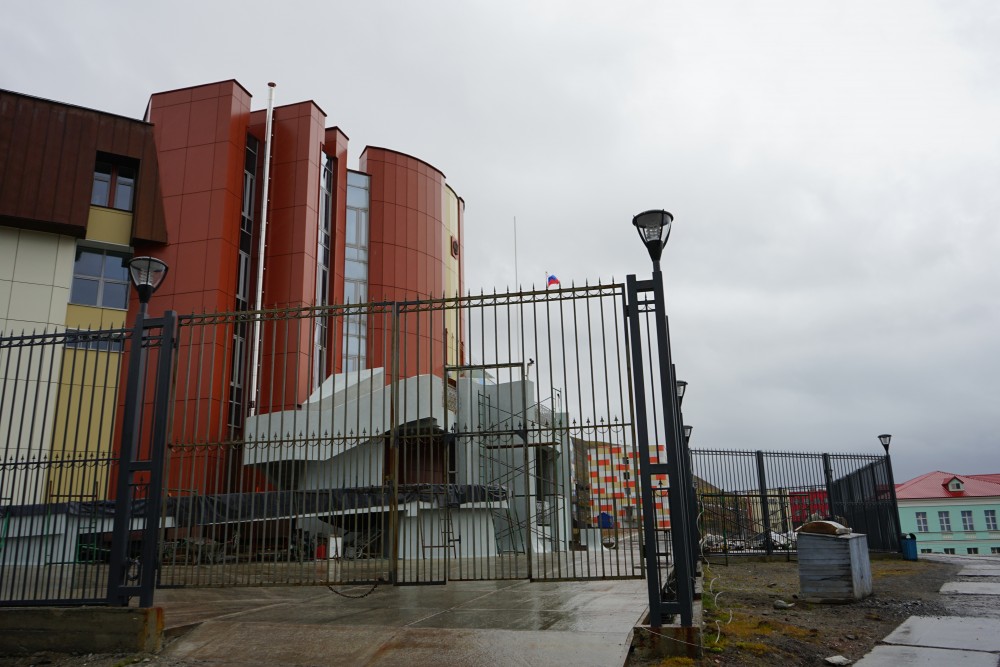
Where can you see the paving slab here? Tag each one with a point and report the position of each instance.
(223, 644)
(971, 588)
(978, 571)
(463, 623)
(917, 656)
(953, 632)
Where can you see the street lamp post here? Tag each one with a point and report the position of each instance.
(653, 227)
(885, 438)
(130, 576)
(695, 540)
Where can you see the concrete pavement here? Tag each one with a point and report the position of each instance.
(462, 623)
(970, 636)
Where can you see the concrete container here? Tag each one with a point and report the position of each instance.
(834, 568)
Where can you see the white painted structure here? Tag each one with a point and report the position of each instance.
(502, 438)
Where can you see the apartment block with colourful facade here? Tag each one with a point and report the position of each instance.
(606, 484)
(951, 514)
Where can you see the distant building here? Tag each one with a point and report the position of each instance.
(952, 514)
(806, 505)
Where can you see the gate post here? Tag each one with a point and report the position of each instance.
(828, 478)
(392, 479)
(121, 585)
(678, 493)
(765, 504)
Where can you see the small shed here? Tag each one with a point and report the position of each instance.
(834, 568)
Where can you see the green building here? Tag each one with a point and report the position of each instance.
(951, 514)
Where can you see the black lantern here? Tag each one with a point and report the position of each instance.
(147, 273)
(884, 439)
(654, 230)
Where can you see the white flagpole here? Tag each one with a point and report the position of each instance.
(517, 287)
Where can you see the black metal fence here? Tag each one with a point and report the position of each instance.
(73, 510)
(411, 442)
(753, 501)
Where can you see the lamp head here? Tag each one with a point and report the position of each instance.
(654, 230)
(687, 432)
(884, 439)
(681, 388)
(147, 274)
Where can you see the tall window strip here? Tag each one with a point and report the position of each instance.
(244, 270)
(356, 270)
(967, 523)
(991, 519)
(922, 522)
(322, 321)
(944, 519)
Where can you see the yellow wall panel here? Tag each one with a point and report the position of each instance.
(91, 317)
(83, 428)
(109, 226)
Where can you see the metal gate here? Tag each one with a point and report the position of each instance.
(412, 442)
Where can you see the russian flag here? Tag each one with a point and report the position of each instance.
(552, 281)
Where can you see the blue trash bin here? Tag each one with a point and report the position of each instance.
(908, 543)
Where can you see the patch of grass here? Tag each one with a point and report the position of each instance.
(757, 648)
(677, 662)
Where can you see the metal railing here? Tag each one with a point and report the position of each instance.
(753, 501)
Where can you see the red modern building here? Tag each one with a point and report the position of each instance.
(389, 230)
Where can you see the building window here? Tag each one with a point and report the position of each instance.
(944, 518)
(972, 551)
(991, 519)
(244, 270)
(101, 341)
(967, 520)
(949, 550)
(995, 550)
(356, 270)
(321, 333)
(926, 551)
(114, 182)
(100, 278)
(922, 522)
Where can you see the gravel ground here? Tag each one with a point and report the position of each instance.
(744, 627)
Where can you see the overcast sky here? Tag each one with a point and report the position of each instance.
(833, 168)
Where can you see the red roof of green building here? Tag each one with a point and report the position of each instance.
(936, 485)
